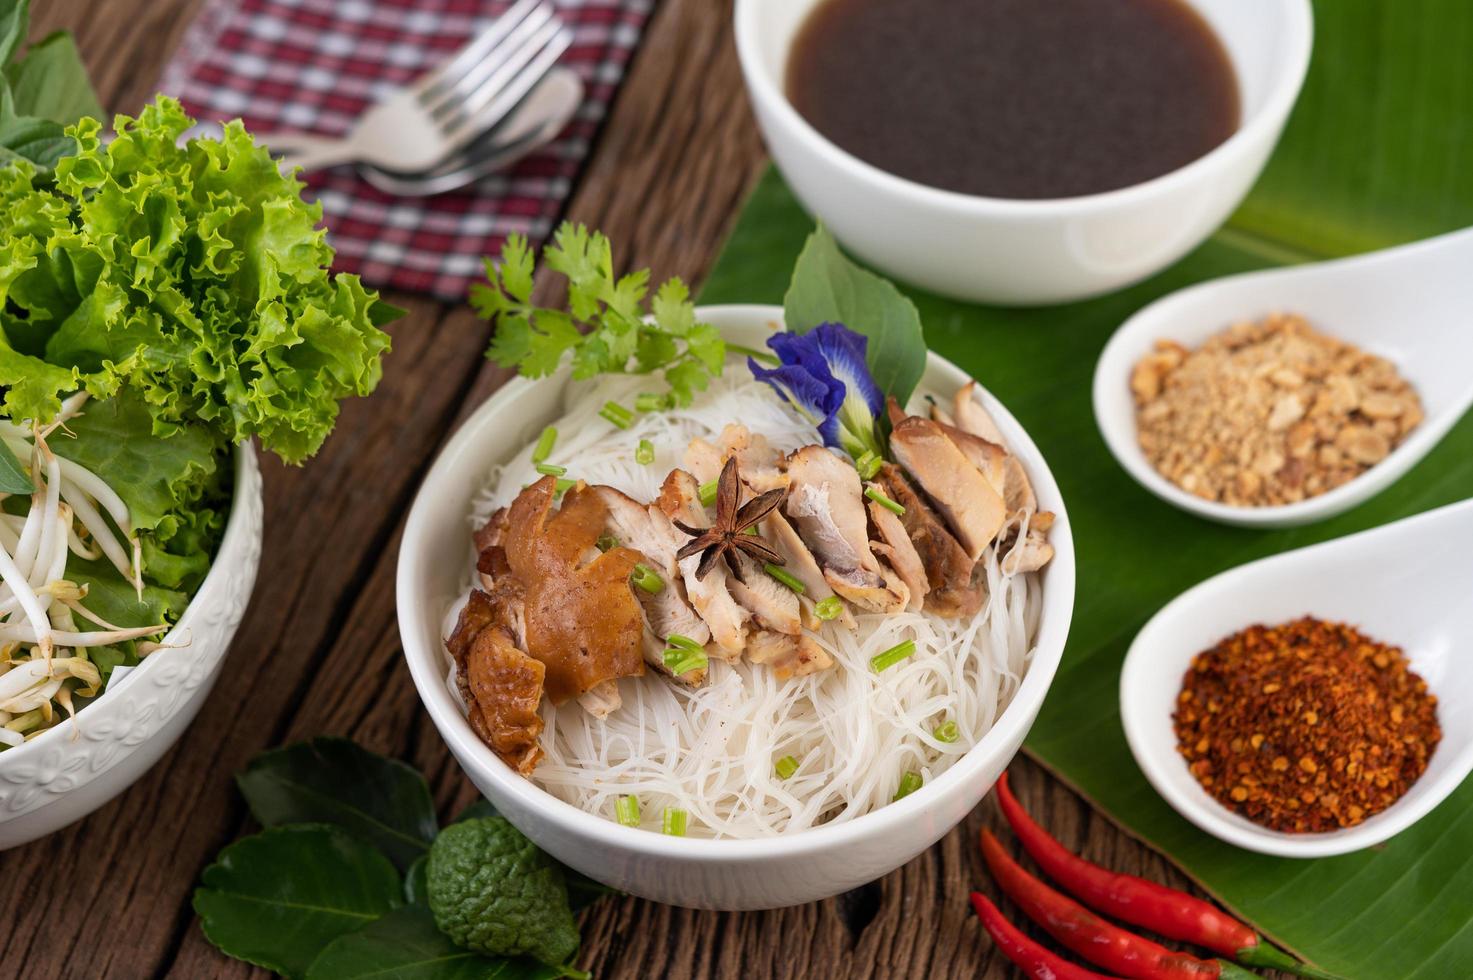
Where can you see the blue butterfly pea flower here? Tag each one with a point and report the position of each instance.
(823, 373)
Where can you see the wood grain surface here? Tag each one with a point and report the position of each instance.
(319, 650)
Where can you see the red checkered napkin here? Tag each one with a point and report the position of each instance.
(316, 65)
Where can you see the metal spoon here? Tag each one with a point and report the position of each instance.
(533, 123)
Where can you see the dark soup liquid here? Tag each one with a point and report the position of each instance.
(1015, 98)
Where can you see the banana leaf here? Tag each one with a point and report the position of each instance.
(1379, 151)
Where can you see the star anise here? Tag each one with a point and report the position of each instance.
(728, 535)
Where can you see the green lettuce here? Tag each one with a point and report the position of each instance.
(193, 276)
(175, 485)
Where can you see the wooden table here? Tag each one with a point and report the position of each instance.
(319, 650)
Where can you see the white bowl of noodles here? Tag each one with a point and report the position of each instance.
(780, 853)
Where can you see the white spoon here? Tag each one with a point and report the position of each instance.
(1413, 305)
(1407, 584)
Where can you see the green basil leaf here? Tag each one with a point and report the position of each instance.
(828, 288)
(278, 898)
(333, 780)
(406, 945)
(14, 478)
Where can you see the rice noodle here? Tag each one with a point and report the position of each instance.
(711, 750)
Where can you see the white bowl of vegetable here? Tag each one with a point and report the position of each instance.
(161, 305)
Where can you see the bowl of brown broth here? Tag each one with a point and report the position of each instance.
(1022, 151)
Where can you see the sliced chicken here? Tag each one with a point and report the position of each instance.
(895, 545)
(801, 565)
(963, 496)
(972, 417)
(1017, 492)
(680, 499)
(949, 572)
(989, 458)
(1034, 551)
(771, 603)
(601, 699)
(788, 656)
(759, 462)
(667, 612)
(501, 684)
(491, 536)
(582, 619)
(826, 507)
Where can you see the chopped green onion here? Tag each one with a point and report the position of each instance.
(830, 608)
(548, 469)
(946, 732)
(651, 402)
(874, 494)
(606, 542)
(682, 660)
(909, 783)
(644, 453)
(545, 442)
(626, 809)
(617, 414)
(785, 767)
(776, 572)
(674, 822)
(676, 640)
(708, 493)
(892, 656)
(868, 464)
(647, 578)
(563, 486)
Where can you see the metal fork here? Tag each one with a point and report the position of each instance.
(420, 125)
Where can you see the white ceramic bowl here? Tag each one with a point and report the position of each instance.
(699, 873)
(1406, 584)
(1027, 252)
(76, 767)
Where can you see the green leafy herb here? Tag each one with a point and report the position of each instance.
(407, 945)
(276, 899)
(828, 288)
(674, 821)
(889, 658)
(608, 327)
(14, 476)
(492, 891)
(41, 93)
(828, 608)
(909, 783)
(545, 442)
(383, 801)
(193, 275)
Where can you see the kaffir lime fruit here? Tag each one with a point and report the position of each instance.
(493, 891)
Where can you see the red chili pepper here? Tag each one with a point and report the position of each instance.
(1173, 914)
(1098, 941)
(1028, 956)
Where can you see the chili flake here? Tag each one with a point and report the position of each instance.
(1305, 727)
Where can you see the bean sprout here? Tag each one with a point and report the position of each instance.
(44, 658)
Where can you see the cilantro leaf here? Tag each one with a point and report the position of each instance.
(610, 326)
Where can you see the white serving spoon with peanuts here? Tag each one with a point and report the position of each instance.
(1412, 305)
